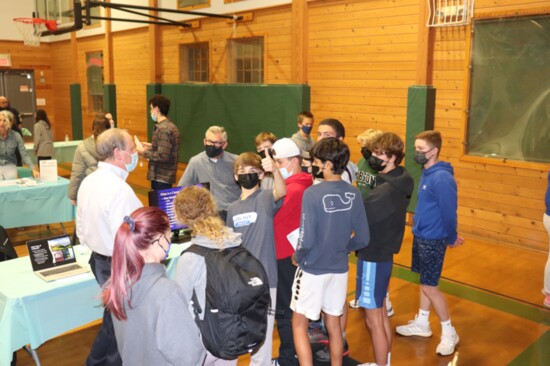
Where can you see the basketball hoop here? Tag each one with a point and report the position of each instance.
(31, 29)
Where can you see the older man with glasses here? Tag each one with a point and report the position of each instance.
(215, 166)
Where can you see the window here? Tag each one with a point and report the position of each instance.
(246, 60)
(191, 4)
(94, 74)
(194, 65)
(510, 95)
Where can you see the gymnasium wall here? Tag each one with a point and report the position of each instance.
(361, 56)
(501, 201)
(39, 60)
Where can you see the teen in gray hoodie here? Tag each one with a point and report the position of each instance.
(195, 207)
(151, 325)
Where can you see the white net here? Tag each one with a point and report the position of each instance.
(31, 30)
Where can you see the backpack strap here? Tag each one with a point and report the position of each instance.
(197, 249)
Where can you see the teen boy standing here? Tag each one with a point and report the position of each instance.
(434, 229)
(331, 212)
(252, 216)
(386, 206)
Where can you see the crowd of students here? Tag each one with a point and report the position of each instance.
(300, 207)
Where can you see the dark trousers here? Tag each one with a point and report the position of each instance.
(156, 185)
(104, 350)
(283, 314)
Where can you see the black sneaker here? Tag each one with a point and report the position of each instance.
(323, 354)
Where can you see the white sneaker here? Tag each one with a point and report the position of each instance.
(389, 310)
(368, 364)
(414, 328)
(448, 343)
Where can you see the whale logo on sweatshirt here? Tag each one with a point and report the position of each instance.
(335, 202)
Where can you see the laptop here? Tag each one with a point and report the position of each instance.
(54, 258)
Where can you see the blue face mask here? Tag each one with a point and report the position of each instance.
(130, 167)
(306, 129)
(166, 251)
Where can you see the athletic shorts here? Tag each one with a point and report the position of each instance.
(312, 294)
(427, 259)
(375, 279)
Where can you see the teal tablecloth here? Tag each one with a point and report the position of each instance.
(46, 203)
(64, 150)
(33, 311)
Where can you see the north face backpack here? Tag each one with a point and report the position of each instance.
(237, 301)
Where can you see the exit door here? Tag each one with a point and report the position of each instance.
(18, 87)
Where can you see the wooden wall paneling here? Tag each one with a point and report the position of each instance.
(299, 41)
(62, 78)
(361, 58)
(108, 68)
(131, 66)
(155, 69)
(272, 23)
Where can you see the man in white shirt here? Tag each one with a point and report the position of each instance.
(104, 198)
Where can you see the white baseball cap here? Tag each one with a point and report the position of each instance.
(285, 148)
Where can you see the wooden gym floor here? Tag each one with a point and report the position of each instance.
(493, 293)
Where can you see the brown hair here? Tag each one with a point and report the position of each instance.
(433, 138)
(247, 159)
(391, 145)
(304, 114)
(195, 207)
(265, 136)
(100, 124)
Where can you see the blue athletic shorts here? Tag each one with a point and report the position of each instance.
(375, 279)
(427, 259)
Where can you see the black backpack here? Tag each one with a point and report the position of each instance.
(6, 248)
(237, 301)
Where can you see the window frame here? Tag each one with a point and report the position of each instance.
(180, 71)
(230, 62)
(467, 103)
(89, 95)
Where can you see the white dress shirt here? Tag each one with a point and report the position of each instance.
(104, 198)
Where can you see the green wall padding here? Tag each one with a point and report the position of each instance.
(244, 111)
(76, 111)
(109, 101)
(420, 117)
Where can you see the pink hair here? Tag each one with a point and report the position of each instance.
(127, 262)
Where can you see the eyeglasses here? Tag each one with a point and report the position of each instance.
(215, 143)
(157, 240)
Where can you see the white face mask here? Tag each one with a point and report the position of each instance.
(285, 173)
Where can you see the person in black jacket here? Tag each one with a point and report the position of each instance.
(386, 208)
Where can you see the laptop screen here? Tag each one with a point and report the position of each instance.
(164, 199)
(51, 252)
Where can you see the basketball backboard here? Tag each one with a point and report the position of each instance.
(63, 12)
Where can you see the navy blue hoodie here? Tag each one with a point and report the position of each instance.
(435, 216)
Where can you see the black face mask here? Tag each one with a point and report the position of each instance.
(262, 154)
(317, 172)
(366, 153)
(305, 169)
(212, 151)
(376, 163)
(249, 180)
(420, 157)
